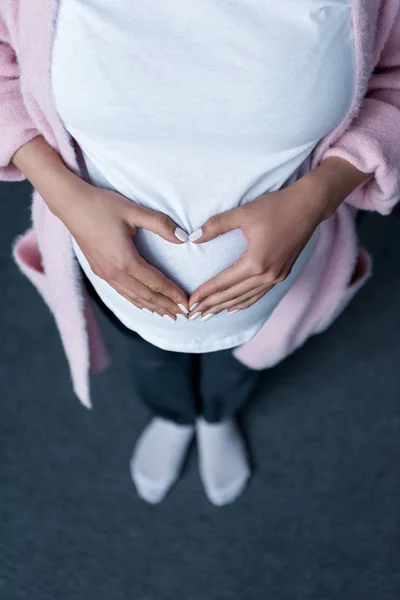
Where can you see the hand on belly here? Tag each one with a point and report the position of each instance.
(277, 227)
(102, 224)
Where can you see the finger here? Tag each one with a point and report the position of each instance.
(248, 302)
(226, 279)
(237, 300)
(217, 225)
(125, 293)
(151, 277)
(152, 296)
(146, 306)
(154, 279)
(147, 297)
(134, 273)
(157, 222)
(247, 286)
(133, 268)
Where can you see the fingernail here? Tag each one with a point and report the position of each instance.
(181, 316)
(147, 310)
(230, 312)
(181, 235)
(193, 317)
(195, 305)
(183, 308)
(208, 316)
(195, 235)
(169, 318)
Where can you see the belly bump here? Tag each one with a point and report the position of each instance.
(189, 265)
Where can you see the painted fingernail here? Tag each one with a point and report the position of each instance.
(169, 318)
(193, 317)
(195, 305)
(208, 316)
(181, 235)
(182, 317)
(195, 235)
(150, 312)
(230, 312)
(183, 308)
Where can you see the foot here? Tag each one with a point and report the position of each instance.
(224, 468)
(158, 458)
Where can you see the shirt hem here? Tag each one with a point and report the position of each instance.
(224, 344)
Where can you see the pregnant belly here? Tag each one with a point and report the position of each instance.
(189, 265)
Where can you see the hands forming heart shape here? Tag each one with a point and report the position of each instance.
(277, 227)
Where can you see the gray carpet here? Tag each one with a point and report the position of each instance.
(320, 519)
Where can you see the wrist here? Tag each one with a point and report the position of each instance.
(315, 195)
(61, 190)
(49, 175)
(329, 184)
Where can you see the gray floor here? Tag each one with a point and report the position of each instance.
(320, 519)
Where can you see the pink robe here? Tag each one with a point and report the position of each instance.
(368, 137)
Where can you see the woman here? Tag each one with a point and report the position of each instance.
(190, 157)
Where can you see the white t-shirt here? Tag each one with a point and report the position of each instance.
(194, 107)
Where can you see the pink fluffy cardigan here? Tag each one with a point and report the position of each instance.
(368, 137)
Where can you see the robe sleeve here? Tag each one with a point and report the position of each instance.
(16, 126)
(372, 142)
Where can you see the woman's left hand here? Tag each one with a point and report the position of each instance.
(277, 226)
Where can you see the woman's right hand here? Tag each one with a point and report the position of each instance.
(103, 224)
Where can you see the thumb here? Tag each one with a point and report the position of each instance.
(216, 225)
(157, 222)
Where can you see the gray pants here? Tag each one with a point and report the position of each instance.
(181, 386)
